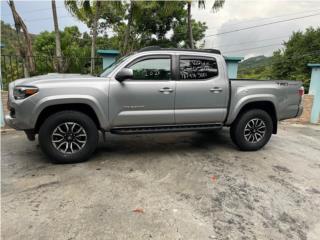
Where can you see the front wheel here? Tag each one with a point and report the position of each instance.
(252, 130)
(68, 137)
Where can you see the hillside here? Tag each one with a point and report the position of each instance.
(255, 62)
(255, 67)
(9, 39)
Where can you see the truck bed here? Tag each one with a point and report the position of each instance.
(284, 94)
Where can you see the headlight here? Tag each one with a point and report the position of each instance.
(22, 92)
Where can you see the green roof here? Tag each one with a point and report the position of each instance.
(314, 65)
(108, 52)
(236, 59)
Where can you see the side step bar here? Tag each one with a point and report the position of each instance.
(165, 128)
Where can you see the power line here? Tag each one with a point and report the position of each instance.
(242, 50)
(263, 19)
(243, 43)
(261, 25)
(46, 18)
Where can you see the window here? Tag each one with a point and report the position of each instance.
(152, 69)
(198, 68)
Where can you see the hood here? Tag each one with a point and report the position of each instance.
(54, 77)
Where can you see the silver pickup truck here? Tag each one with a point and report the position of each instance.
(153, 90)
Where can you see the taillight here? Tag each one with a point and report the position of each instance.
(301, 91)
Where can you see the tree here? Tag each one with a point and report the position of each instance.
(57, 35)
(217, 5)
(127, 34)
(190, 35)
(88, 13)
(180, 31)
(91, 12)
(94, 35)
(26, 53)
(148, 22)
(291, 61)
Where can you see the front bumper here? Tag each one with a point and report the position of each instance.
(13, 122)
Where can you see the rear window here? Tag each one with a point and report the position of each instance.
(198, 68)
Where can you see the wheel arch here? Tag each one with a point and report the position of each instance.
(267, 106)
(81, 107)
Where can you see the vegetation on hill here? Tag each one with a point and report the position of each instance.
(290, 62)
(255, 67)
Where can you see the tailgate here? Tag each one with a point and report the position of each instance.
(293, 98)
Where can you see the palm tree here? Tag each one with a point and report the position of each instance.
(217, 5)
(127, 33)
(190, 36)
(88, 13)
(27, 52)
(57, 33)
(94, 35)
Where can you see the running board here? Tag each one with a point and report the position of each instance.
(165, 128)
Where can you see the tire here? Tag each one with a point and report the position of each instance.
(252, 130)
(77, 133)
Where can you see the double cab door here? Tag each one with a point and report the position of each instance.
(169, 89)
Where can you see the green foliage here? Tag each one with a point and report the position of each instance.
(256, 68)
(287, 63)
(180, 32)
(291, 62)
(10, 40)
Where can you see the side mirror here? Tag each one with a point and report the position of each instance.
(123, 74)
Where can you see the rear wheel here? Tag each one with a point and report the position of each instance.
(68, 137)
(252, 130)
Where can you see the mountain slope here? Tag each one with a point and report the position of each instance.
(255, 67)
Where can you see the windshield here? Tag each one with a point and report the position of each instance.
(111, 67)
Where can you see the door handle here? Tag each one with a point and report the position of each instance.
(166, 90)
(216, 90)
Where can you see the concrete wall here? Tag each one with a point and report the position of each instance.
(4, 100)
(315, 91)
(107, 61)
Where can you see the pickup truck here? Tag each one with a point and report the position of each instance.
(151, 91)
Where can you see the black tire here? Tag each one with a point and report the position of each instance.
(249, 141)
(72, 118)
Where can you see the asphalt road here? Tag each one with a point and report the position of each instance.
(166, 186)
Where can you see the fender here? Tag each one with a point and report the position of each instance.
(236, 106)
(71, 99)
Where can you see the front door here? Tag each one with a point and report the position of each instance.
(201, 91)
(147, 98)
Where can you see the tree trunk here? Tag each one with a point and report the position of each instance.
(57, 33)
(94, 36)
(127, 35)
(26, 52)
(190, 35)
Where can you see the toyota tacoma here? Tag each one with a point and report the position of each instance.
(151, 91)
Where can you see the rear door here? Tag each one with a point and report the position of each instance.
(148, 98)
(201, 91)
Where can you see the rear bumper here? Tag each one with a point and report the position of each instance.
(300, 111)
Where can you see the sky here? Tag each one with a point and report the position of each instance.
(234, 16)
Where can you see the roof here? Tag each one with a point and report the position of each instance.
(157, 48)
(314, 65)
(108, 52)
(235, 59)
